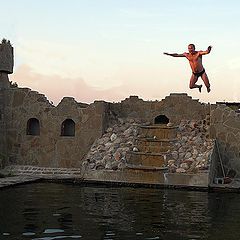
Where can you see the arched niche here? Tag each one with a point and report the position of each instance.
(33, 127)
(161, 119)
(68, 128)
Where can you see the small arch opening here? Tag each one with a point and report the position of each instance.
(33, 127)
(161, 119)
(68, 128)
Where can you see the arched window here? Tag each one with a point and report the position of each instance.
(68, 128)
(33, 127)
(161, 119)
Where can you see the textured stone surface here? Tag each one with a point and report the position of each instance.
(110, 131)
(49, 148)
(192, 150)
(113, 146)
(6, 57)
(225, 127)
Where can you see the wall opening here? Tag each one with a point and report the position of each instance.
(161, 119)
(33, 127)
(68, 128)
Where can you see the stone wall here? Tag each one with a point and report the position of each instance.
(177, 107)
(225, 127)
(49, 148)
(215, 166)
(2, 130)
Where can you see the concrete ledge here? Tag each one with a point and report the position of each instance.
(127, 177)
(134, 176)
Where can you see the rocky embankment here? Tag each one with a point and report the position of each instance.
(190, 152)
(109, 152)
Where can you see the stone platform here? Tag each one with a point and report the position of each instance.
(134, 177)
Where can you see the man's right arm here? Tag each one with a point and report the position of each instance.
(174, 54)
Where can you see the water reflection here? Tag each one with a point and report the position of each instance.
(57, 211)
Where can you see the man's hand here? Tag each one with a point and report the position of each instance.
(209, 48)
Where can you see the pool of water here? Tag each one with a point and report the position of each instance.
(48, 211)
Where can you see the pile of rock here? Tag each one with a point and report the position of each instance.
(109, 151)
(192, 150)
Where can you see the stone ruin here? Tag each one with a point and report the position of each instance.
(115, 136)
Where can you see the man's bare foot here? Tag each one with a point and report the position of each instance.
(200, 88)
(208, 89)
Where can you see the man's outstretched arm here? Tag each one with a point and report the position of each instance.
(174, 54)
(207, 51)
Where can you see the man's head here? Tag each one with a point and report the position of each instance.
(191, 48)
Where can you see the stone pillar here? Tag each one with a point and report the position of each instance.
(6, 67)
(6, 63)
(4, 81)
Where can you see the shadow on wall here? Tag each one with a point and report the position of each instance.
(220, 173)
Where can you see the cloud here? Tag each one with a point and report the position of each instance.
(234, 64)
(56, 87)
(84, 59)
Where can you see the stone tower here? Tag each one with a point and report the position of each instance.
(6, 67)
(6, 63)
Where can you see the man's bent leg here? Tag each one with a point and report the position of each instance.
(193, 84)
(206, 81)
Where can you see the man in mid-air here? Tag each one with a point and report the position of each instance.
(195, 59)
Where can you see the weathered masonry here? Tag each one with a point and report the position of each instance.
(177, 135)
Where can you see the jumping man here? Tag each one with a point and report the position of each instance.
(195, 60)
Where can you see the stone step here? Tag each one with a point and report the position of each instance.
(147, 159)
(158, 132)
(155, 145)
(154, 149)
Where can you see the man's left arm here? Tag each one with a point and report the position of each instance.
(206, 52)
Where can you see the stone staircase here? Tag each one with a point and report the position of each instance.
(153, 148)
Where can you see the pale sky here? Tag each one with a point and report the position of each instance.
(110, 49)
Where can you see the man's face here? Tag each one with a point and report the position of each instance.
(191, 49)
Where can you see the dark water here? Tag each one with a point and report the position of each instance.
(46, 211)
